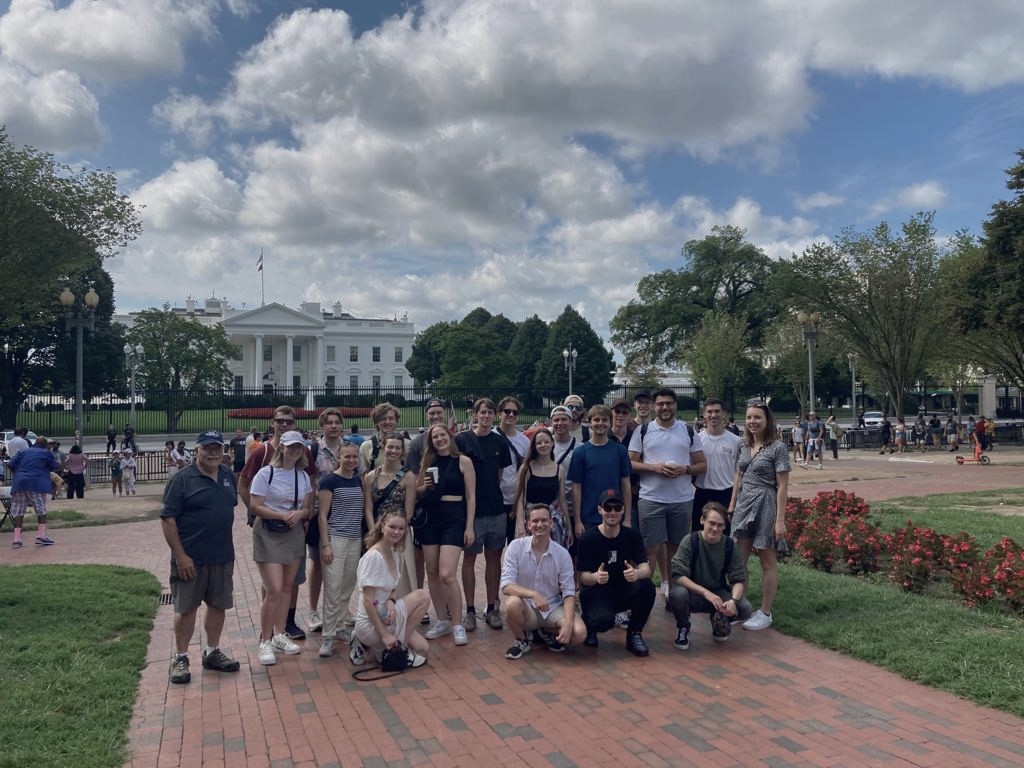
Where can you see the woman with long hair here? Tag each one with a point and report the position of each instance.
(758, 505)
(75, 466)
(447, 491)
(340, 498)
(389, 488)
(281, 501)
(383, 619)
(542, 481)
(901, 435)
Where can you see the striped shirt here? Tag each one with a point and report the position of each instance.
(345, 519)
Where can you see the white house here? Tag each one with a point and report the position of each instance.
(282, 348)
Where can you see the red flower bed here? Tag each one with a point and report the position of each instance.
(300, 413)
(916, 553)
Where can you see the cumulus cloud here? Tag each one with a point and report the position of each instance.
(818, 199)
(922, 196)
(54, 110)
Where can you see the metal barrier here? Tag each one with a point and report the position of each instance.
(149, 467)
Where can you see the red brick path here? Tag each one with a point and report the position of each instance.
(762, 699)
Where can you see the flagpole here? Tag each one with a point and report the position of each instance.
(263, 288)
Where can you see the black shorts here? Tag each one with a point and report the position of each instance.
(446, 525)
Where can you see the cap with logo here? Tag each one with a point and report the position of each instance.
(609, 495)
(210, 436)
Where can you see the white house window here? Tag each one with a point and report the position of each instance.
(399, 353)
(353, 354)
(330, 353)
(268, 354)
(296, 354)
(376, 354)
(353, 382)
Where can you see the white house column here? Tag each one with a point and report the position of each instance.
(257, 365)
(318, 362)
(289, 366)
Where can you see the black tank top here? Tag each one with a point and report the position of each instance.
(450, 481)
(541, 490)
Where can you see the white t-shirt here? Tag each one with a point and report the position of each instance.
(508, 475)
(281, 494)
(720, 452)
(558, 451)
(373, 572)
(662, 445)
(16, 444)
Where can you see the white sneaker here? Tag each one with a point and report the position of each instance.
(459, 635)
(282, 643)
(266, 653)
(326, 647)
(440, 629)
(664, 589)
(415, 660)
(622, 619)
(758, 620)
(357, 653)
(316, 622)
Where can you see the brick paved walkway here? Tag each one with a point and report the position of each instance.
(762, 699)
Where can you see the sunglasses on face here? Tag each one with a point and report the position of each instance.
(613, 507)
(510, 411)
(621, 412)
(574, 407)
(284, 422)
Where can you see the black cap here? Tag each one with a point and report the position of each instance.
(431, 403)
(642, 394)
(609, 495)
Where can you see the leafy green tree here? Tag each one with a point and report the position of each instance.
(473, 360)
(786, 358)
(57, 224)
(878, 292)
(712, 353)
(478, 318)
(183, 358)
(720, 273)
(503, 328)
(525, 350)
(594, 364)
(424, 361)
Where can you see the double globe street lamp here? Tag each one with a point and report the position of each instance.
(809, 326)
(569, 355)
(133, 357)
(79, 315)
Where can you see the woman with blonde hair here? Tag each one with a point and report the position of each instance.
(281, 500)
(758, 505)
(446, 488)
(383, 619)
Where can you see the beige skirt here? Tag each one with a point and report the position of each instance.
(283, 548)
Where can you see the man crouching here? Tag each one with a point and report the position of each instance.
(549, 603)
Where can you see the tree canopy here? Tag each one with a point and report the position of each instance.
(593, 375)
(57, 225)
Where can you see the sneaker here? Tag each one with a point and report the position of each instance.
(440, 629)
(179, 671)
(664, 589)
(415, 660)
(357, 653)
(470, 621)
(425, 621)
(316, 621)
(721, 627)
(219, 661)
(682, 641)
(459, 635)
(293, 632)
(518, 649)
(622, 620)
(591, 640)
(44, 541)
(18, 544)
(266, 653)
(552, 643)
(493, 619)
(281, 642)
(759, 620)
(344, 635)
(635, 644)
(326, 647)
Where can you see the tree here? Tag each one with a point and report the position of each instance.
(478, 317)
(424, 361)
(786, 358)
(712, 353)
(594, 364)
(720, 273)
(472, 359)
(182, 358)
(57, 224)
(503, 328)
(878, 292)
(525, 350)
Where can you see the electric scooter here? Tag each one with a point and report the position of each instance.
(979, 457)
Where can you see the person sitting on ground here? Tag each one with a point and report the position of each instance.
(615, 576)
(539, 588)
(383, 620)
(708, 576)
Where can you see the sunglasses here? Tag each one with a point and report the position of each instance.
(613, 507)
(621, 411)
(510, 411)
(284, 422)
(574, 407)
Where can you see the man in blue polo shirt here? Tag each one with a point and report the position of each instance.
(197, 515)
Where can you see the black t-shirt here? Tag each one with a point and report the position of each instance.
(204, 511)
(490, 455)
(237, 445)
(596, 548)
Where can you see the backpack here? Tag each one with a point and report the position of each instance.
(511, 446)
(695, 550)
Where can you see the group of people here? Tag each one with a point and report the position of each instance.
(807, 438)
(572, 521)
(927, 433)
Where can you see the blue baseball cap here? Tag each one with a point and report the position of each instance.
(210, 436)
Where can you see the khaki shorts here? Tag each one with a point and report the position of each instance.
(535, 621)
(212, 584)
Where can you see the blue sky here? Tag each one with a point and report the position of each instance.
(426, 158)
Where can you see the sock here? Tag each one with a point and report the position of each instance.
(291, 617)
(471, 609)
(181, 655)
(490, 607)
(211, 649)
(42, 530)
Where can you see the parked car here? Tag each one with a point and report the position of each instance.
(873, 418)
(8, 434)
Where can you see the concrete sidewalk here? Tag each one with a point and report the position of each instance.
(761, 699)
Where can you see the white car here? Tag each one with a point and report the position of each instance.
(8, 434)
(873, 418)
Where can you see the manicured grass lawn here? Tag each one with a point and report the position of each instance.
(929, 638)
(74, 639)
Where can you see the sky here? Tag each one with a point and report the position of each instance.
(430, 157)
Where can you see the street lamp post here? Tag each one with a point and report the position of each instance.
(79, 317)
(569, 355)
(853, 386)
(133, 358)
(809, 326)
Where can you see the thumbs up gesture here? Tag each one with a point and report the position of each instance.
(601, 575)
